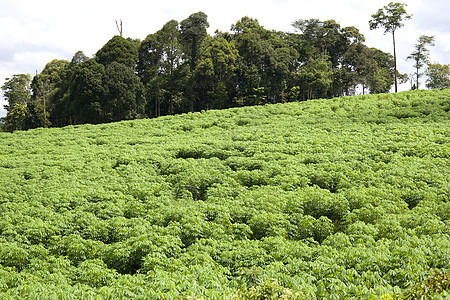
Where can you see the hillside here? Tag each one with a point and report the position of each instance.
(327, 199)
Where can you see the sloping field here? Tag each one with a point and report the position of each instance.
(328, 199)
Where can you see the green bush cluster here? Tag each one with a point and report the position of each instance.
(332, 199)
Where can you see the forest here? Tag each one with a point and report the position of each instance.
(343, 198)
(181, 68)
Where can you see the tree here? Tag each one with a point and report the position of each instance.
(16, 117)
(329, 39)
(149, 56)
(86, 92)
(390, 18)
(261, 63)
(160, 58)
(253, 50)
(17, 90)
(118, 49)
(421, 55)
(215, 72)
(193, 31)
(49, 88)
(381, 75)
(99, 93)
(356, 67)
(438, 76)
(79, 58)
(169, 45)
(60, 109)
(124, 94)
(316, 77)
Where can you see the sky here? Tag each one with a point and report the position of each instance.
(33, 33)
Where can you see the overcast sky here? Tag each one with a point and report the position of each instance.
(32, 33)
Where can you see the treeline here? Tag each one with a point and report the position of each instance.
(181, 68)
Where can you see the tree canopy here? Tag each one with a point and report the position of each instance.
(119, 50)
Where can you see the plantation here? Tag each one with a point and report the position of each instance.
(346, 198)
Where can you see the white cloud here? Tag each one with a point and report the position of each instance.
(39, 31)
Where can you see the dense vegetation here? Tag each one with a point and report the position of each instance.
(324, 199)
(181, 68)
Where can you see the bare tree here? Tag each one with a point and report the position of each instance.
(119, 27)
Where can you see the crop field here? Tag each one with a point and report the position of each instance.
(347, 198)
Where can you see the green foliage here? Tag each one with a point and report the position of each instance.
(216, 71)
(86, 92)
(268, 290)
(119, 50)
(438, 76)
(193, 31)
(49, 89)
(16, 90)
(180, 68)
(345, 198)
(421, 54)
(434, 287)
(16, 117)
(105, 94)
(316, 76)
(390, 17)
(124, 99)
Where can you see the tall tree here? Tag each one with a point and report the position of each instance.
(263, 62)
(193, 31)
(370, 68)
(328, 38)
(390, 18)
(253, 49)
(149, 56)
(170, 59)
(78, 58)
(421, 55)
(148, 68)
(159, 66)
(16, 118)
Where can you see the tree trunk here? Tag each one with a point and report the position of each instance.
(417, 81)
(395, 62)
(43, 99)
